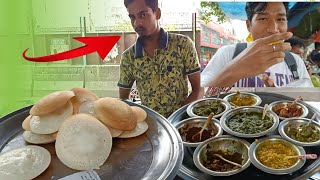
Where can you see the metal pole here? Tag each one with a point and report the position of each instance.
(84, 58)
(83, 34)
(194, 27)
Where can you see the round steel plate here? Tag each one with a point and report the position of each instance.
(156, 154)
(255, 145)
(188, 169)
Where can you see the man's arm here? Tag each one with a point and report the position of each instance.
(124, 93)
(197, 91)
(253, 61)
(126, 77)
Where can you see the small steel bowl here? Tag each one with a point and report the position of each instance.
(256, 98)
(253, 157)
(222, 143)
(271, 107)
(227, 116)
(295, 123)
(197, 122)
(206, 101)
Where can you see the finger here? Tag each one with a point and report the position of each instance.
(276, 54)
(270, 83)
(265, 77)
(267, 81)
(276, 37)
(280, 47)
(273, 61)
(276, 47)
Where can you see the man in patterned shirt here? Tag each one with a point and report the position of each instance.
(161, 63)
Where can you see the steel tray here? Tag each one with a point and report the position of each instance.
(189, 171)
(157, 154)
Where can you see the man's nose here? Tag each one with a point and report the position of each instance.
(273, 27)
(137, 22)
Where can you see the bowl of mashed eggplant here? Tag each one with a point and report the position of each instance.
(247, 122)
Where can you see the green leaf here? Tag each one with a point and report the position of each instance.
(210, 9)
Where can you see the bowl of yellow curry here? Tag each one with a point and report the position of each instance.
(298, 131)
(275, 155)
(248, 122)
(243, 99)
(204, 107)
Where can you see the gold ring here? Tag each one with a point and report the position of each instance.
(274, 48)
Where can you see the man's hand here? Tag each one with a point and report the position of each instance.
(197, 91)
(261, 55)
(267, 81)
(124, 93)
(254, 60)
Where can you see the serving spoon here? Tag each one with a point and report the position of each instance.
(219, 92)
(313, 117)
(305, 127)
(209, 120)
(295, 101)
(228, 161)
(233, 105)
(265, 108)
(306, 156)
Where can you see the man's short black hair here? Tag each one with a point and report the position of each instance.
(153, 4)
(316, 58)
(295, 42)
(258, 7)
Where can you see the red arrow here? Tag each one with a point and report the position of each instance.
(101, 44)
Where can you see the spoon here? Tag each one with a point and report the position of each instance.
(305, 127)
(203, 127)
(228, 161)
(307, 156)
(313, 117)
(295, 101)
(219, 92)
(233, 104)
(265, 108)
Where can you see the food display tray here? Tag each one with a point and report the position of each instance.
(188, 170)
(156, 154)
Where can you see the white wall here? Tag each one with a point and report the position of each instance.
(101, 14)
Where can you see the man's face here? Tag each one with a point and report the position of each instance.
(272, 20)
(298, 50)
(143, 19)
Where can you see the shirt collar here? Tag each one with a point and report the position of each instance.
(163, 43)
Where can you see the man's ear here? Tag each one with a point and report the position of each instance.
(158, 13)
(248, 25)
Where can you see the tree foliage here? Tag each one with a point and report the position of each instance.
(209, 9)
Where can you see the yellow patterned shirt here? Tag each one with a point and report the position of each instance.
(161, 81)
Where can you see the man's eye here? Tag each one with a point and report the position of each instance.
(143, 15)
(282, 19)
(262, 19)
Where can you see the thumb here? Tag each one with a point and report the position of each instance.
(267, 81)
